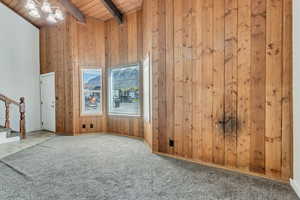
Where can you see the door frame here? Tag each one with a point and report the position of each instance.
(42, 76)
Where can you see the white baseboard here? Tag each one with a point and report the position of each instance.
(295, 186)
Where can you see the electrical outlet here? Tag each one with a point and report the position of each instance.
(171, 143)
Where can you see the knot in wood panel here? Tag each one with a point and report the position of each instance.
(228, 124)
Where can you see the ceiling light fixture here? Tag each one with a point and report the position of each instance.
(46, 7)
(54, 14)
(51, 18)
(34, 13)
(59, 15)
(30, 5)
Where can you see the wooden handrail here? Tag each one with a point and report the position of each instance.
(21, 106)
(6, 99)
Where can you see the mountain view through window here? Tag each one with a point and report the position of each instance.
(124, 91)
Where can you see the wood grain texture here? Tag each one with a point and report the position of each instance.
(244, 84)
(55, 57)
(88, 8)
(231, 82)
(96, 9)
(124, 45)
(73, 10)
(287, 88)
(196, 79)
(206, 87)
(218, 81)
(89, 53)
(221, 78)
(229, 59)
(274, 87)
(258, 86)
(178, 70)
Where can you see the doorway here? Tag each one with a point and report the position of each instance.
(47, 82)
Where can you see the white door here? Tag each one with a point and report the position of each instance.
(48, 101)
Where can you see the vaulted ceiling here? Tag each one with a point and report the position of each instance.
(96, 9)
(89, 8)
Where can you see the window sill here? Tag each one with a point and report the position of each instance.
(124, 115)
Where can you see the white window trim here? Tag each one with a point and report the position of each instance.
(109, 104)
(82, 113)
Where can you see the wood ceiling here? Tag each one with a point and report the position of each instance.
(90, 8)
(96, 9)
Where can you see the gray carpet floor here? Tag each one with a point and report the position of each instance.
(106, 167)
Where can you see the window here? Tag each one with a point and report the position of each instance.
(91, 93)
(124, 96)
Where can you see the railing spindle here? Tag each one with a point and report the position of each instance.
(22, 118)
(21, 106)
(7, 122)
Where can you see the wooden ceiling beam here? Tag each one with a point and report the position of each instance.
(73, 10)
(112, 8)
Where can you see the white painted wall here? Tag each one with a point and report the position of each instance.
(19, 66)
(296, 84)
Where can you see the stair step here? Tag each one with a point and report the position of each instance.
(4, 129)
(7, 135)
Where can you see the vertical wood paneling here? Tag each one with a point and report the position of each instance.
(231, 82)
(162, 114)
(90, 39)
(155, 52)
(170, 72)
(258, 86)
(212, 61)
(219, 81)
(178, 65)
(197, 63)
(244, 84)
(287, 109)
(224, 73)
(73, 42)
(207, 80)
(56, 57)
(124, 45)
(274, 87)
(188, 77)
(132, 39)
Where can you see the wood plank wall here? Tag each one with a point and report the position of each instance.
(124, 45)
(55, 57)
(213, 62)
(222, 82)
(89, 52)
(69, 47)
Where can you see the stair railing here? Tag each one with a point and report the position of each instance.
(7, 101)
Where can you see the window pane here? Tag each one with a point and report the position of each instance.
(124, 91)
(91, 91)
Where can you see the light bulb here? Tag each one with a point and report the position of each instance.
(59, 15)
(51, 18)
(34, 13)
(46, 7)
(30, 5)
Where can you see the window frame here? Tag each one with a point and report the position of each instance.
(140, 113)
(86, 68)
